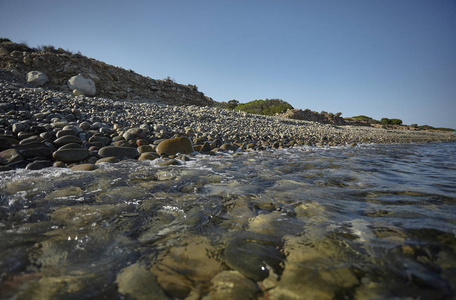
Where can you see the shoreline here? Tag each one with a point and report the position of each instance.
(36, 123)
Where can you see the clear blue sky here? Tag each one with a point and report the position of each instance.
(380, 58)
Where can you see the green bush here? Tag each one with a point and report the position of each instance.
(2, 39)
(387, 121)
(232, 104)
(267, 107)
(10, 46)
(365, 118)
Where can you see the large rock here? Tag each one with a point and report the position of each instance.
(139, 283)
(173, 146)
(71, 155)
(82, 85)
(254, 255)
(119, 152)
(67, 139)
(232, 285)
(134, 134)
(37, 77)
(9, 156)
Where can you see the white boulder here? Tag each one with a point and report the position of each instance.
(37, 77)
(82, 85)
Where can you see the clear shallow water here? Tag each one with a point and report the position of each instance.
(370, 222)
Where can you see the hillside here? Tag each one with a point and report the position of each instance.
(110, 81)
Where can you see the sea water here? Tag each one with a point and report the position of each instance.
(368, 222)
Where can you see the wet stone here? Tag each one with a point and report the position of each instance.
(145, 148)
(169, 162)
(111, 159)
(66, 132)
(4, 144)
(134, 134)
(18, 164)
(173, 146)
(121, 143)
(38, 165)
(66, 140)
(232, 285)
(34, 150)
(59, 164)
(71, 155)
(46, 135)
(119, 152)
(30, 140)
(228, 147)
(10, 156)
(102, 140)
(186, 267)
(12, 140)
(253, 255)
(148, 156)
(71, 146)
(18, 127)
(24, 135)
(5, 168)
(139, 283)
(84, 167)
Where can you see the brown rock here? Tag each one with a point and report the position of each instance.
(186, 265)
(145, 148)
(111, 159)
(169, 162)
(148, 156)
(173, 146)
(84, 167)
(9, 156)
(119, 152)
(232, 285)
(121, 143)
(228, 147)
(139, 283)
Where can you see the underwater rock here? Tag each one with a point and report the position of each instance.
(232, 285)
(139, 283)
(186, 267)
(254, 255)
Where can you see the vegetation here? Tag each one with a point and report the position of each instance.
(366, 119)
(169, 79)
(10, 46)
(193, 87)
(267, 107)
(386, 121)
(232, 104)
(427, 127)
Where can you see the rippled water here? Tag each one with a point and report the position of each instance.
(370, 222)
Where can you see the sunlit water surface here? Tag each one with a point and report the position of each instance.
(370, 222)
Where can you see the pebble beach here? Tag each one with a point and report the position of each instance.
(136, 198)
(41, 128)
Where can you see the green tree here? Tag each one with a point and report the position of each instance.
(232, 104)
(385, 121)
(396, 121)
